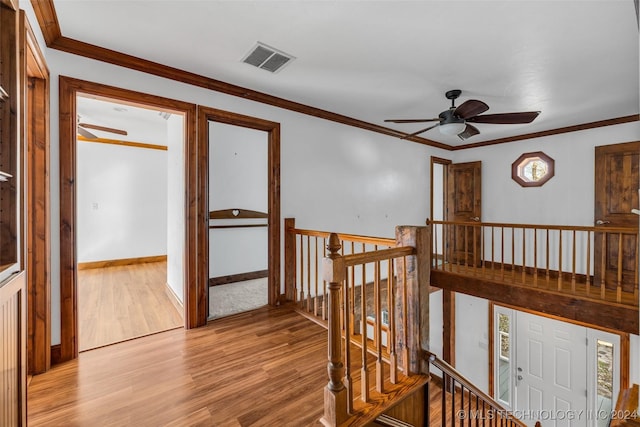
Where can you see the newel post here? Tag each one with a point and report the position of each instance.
(289, 259)
(335, 393)
(413, 287)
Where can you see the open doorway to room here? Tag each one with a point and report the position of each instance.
(123, 167)
(238, 219)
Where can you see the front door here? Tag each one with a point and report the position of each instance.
(617, 179)
(464, 199)
(551, 366)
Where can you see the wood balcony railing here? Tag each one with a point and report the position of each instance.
(595, 262)
(304, 251)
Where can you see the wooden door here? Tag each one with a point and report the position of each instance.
(617, 180)
(464, 205)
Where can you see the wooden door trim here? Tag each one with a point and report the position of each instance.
(625, 349)
(445, 163)
(69, 89)
(206, 114)
(37, 197)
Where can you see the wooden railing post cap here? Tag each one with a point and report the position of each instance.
(333, 245)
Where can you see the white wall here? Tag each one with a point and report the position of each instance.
(121, 202)
(472, 339)
(238, 179)
(567, 198)
(176, 203)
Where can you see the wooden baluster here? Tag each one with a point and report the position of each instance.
(348, 382)
(308, 274)
(502, 254)
(352, 300)
(482, 254)
(548, 258)
(493, 258)
(524, 255)
(588, 263)
(559, 260)
(573, 263)
(620, 258)
(290, 259)
(325, 313)
(443, 400)
(535, 257)
(466, 245)
(364, 370)
(513, 253)
(391, 330)
(635, 275)
(315, 299)
(603, 265)
(378, 328)
(335, 393)
(301, 297)
(434, 250)
(405, 317)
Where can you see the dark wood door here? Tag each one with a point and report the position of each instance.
(617, 180)
(464, 202)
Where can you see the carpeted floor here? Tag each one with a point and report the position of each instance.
(233, 298)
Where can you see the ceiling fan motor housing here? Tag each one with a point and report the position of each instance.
(447, 117)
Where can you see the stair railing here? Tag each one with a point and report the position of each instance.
(376, 329)
(462, 403)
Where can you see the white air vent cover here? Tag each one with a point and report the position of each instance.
(267, 58)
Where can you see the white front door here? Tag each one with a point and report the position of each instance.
(551, 367)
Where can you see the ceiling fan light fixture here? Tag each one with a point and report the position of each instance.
(453, 128)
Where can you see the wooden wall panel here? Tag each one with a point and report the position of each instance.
(12, 357)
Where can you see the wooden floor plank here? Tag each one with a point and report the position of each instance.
(119, 303)
(262, 368)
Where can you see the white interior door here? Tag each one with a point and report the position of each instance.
(551, 367)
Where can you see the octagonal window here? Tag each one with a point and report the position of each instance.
(532, 169)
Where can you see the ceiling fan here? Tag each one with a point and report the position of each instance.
(456, 120)
(82, 130)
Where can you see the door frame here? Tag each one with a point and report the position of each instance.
(70, 88)
(624, 350)
(37, 229)
(206, 115)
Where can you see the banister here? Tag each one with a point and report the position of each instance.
(468, 385)
(382, 241)
(379, 255)
(608, 229)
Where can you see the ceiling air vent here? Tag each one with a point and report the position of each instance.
(267, 58)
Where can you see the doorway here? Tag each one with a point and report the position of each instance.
(123, 202)
(185, 212)
(553, 371)
(238, 219)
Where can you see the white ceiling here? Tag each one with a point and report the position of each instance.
(576, 61)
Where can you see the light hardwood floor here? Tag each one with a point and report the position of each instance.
(261, 368)
(123, 302)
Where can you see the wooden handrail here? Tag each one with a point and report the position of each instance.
(470, 387)
(382, 241)
(379, 255)
(595, 228)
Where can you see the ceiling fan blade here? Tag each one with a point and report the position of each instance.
(506, 118)
(470, 108)
(85, 133)
(411, 120)
(468, 132)
(103, 128)
(419, 132)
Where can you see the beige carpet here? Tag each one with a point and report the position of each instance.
(237, 297)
